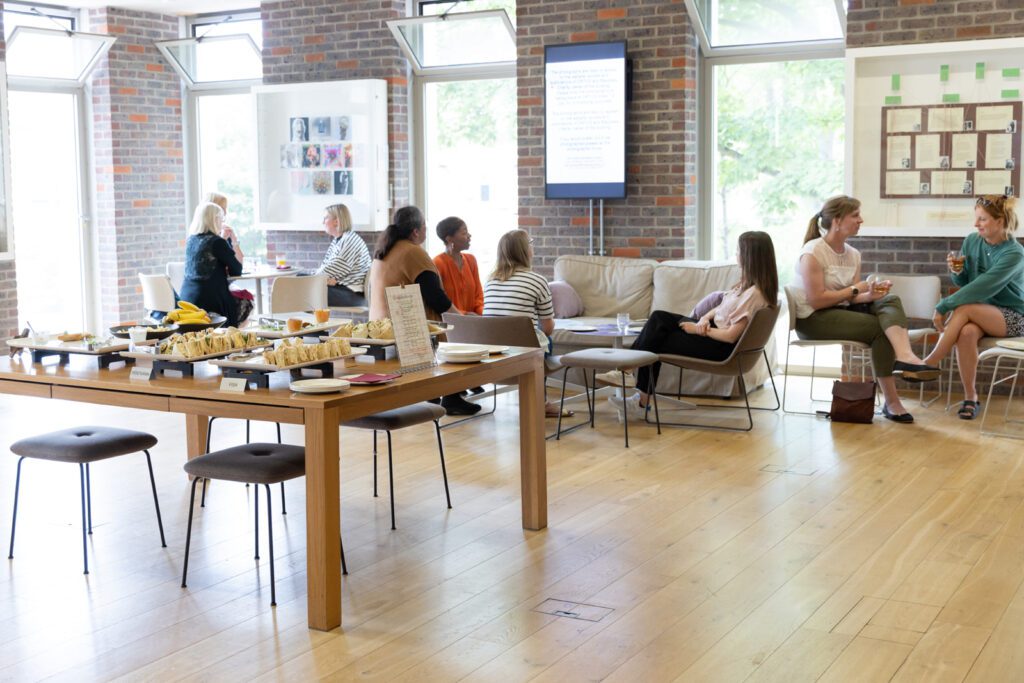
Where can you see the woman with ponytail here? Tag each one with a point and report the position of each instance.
(833, 302)
(990, 298)
(400, 259)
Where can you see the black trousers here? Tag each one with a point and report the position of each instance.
(661, 334)
(340, 295)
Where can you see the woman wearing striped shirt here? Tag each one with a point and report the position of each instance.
(347, 260)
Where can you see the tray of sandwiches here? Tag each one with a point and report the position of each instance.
(291, 354)
(275, 328)
(80, 342)
(200, 346)
(375, 332)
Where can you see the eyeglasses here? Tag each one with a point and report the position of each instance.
(529, 240)
(985, 201)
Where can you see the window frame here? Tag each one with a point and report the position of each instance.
(49, 11)
(106, 42)
(451, 71)
(794, 49)
(192, 26)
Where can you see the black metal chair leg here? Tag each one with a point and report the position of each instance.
(746, 400)
(374, 463)
(653, 395)
(202, 500)
(561, 405)
(209, 433)
(625, 415)
(88, 496)
(279, 432)
(771, 376)
(284, 510)
(188, 532)
(85, 546)
(391, 483)
(593, 396)
(14, 517)
(444, 472)
(156, 501)
(256, 510)
(270, 543)
(344, 567)
(247, 431)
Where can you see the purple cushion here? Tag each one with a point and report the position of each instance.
(712, 300)
(566, 301)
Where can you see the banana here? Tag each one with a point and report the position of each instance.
(188, 306)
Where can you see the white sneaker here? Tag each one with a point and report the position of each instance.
(634, 410)
(614, 378)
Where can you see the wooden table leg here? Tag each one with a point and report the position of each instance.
(323, 519)
(196, 428)
(533, 471)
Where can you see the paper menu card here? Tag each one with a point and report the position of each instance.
(412, 335)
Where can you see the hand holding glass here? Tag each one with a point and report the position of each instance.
(956, 261)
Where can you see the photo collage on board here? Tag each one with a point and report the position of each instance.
(320, 152)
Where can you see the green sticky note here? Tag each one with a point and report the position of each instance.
(979, 71)
(950, 97)
(895, 82)
(893, 99)
(1011, 94)
(1011, 73)
(944, 72)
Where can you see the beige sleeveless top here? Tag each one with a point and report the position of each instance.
(839, 269)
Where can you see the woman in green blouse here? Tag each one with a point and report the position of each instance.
(990, 301)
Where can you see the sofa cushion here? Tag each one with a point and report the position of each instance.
(680, 285)
(609, 285)
(565, 299)
(712, 300)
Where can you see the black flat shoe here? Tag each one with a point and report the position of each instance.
(456, 405)
(913, 372)
(903, 418)
(968, 410)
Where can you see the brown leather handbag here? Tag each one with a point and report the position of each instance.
(853, 402)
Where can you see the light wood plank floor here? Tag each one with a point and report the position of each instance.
(801, 551)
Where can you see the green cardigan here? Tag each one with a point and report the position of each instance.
(992, 274)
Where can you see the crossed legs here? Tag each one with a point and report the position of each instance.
(965, 327)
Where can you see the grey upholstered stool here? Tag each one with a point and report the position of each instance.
(84, 445)
(619, 360)
(209, 435)
(400, 418)
(253, 463)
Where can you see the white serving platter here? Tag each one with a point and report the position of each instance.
(304, 332)
(54, 344)
(256, 363)
(325, 385)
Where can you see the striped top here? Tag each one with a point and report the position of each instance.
(525, 293)
(347, 260)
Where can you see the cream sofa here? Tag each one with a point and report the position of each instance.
(609, 285)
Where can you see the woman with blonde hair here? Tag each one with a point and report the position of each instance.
(208, 263)
(990, 298)
(515, 290)
(347, 260)
(226, 230)
(832, 302)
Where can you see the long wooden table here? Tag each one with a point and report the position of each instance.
(199, 398)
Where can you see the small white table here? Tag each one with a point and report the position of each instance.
(259, 275)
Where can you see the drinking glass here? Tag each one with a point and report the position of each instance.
(622, 322)
(956, 261)
(282, 262)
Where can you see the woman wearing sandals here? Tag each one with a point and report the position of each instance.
(990, 301)
(834, 303)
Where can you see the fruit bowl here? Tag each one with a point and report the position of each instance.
(215, 321)
(153, 331)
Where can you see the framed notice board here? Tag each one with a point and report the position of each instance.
(950, 150)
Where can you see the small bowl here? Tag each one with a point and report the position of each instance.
(156, 331)
(215, 321)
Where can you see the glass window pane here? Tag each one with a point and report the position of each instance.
(470, 166)
(46, 53)
(753, 22)
(435, 7)
(779, 154)
(250, 27)
(224, 58)
(227, 162)
(459, 40)
(15, 19)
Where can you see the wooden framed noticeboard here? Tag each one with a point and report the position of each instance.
(950, 150)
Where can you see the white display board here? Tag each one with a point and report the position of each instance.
(322, 144)
(869, 81)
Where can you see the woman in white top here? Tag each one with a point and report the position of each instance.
(514, 289)
(714, 335)
(347, 260)
(835, 303)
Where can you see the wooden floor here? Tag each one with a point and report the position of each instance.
(801, 551)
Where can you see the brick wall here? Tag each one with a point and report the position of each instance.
(658, 219)
(8, 283)
(140, 189)
(327, 40)
(895, 22)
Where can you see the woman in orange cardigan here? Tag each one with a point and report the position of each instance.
(459, 274)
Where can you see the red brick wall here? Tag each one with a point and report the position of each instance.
(8, 284)
(140, 216)
(893, 22)
(327, 40)
(658, 219)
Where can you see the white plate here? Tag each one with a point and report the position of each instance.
(1011, 344)
(354, 382)
(462, 359)
(581, 328)
(462, 349)
(497, 349)
(323, 385)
